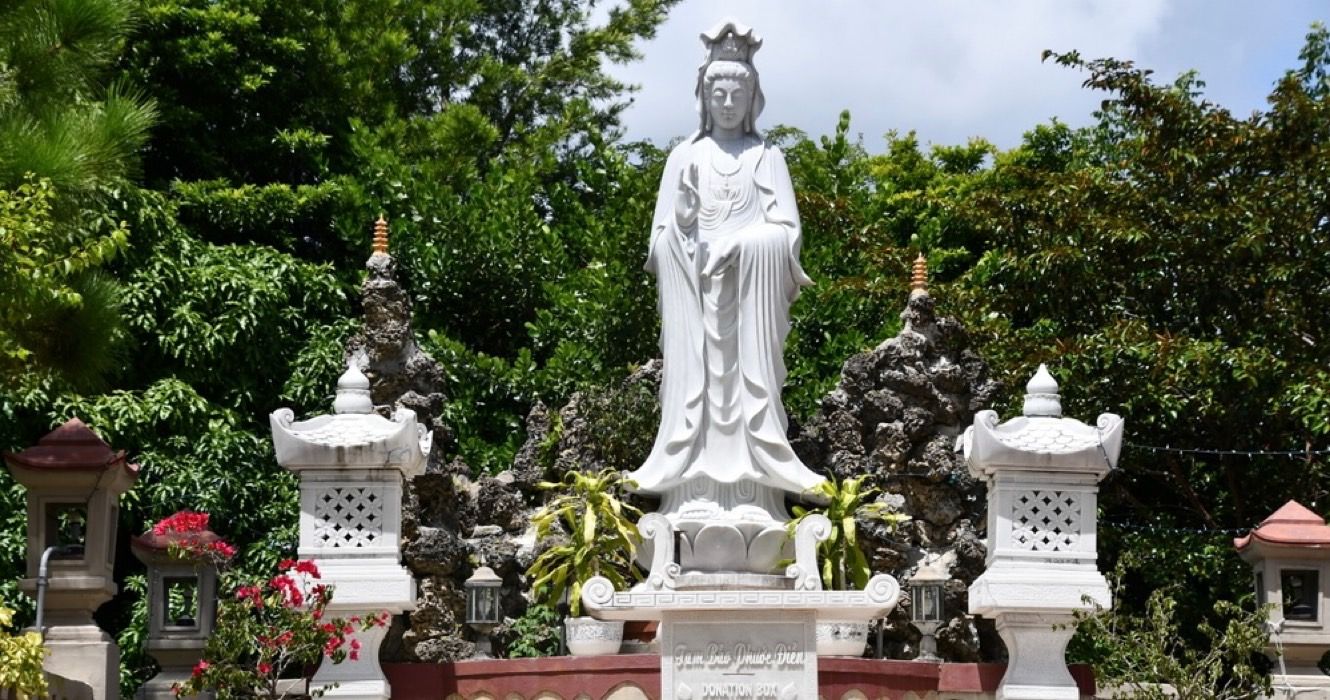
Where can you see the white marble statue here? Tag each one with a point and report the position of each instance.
(725, 253)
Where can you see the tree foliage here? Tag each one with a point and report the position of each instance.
(1167, 261)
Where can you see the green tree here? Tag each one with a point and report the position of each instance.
(67, 137)
(1169, 264)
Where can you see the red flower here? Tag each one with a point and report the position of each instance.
(264, 668)
(184, 521)
(250, 593)
(199, 668)
(307, 567)
(286, 564)
(291, 594)
(332, 645)
(223, 549)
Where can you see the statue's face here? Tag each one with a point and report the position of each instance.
(729, 102)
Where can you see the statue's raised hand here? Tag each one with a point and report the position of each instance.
(688, 200)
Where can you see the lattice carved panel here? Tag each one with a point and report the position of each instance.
(1046, 521)
(348, 516)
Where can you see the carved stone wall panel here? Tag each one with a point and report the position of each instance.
(1046, 521)
(348, 517)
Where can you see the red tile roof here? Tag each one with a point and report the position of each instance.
(73, 446)
(1293, 525)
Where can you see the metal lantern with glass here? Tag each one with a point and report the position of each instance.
(483, 609)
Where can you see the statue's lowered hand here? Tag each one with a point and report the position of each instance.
(722, 254)
(688, 201)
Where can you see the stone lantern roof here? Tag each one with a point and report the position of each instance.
(1293, 525)
(353, 436)
(71, 447)
(1041, 439)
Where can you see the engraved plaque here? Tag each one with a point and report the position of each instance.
(757, 655)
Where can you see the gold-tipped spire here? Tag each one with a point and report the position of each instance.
(919, 276)
(381, 236)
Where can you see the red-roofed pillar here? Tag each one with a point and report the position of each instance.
(1290, 557)
(74, 481)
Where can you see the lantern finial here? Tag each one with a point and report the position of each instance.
(1041, 395)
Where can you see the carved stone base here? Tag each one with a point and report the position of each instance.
(1036, 657)
(85, 656)
(361, 679)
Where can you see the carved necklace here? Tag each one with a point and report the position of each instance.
(726, 190)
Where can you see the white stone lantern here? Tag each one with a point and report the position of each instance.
(1043, 473)
(74, 481)
(352, 465)
(1290, 557)
(182, 608)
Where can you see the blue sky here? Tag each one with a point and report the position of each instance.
(951, 70)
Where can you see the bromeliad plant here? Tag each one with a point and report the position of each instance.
(602, 537)
(275, 630)
(844, 565)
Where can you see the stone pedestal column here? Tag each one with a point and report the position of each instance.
(1043, 474)
(74, 482)
(352, 465)
(176, 638)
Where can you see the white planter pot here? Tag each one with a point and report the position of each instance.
(587, 636)
(842, 637)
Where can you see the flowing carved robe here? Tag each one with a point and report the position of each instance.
(725, 286)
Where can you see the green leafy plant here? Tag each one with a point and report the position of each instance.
(20, 659)
(843, 562)
(1140, 654)
(601, 537)
(535, 633)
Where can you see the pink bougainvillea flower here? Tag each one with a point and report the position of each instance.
(251, 593)
(264, 668)
(200, 668)
(183, 521)
(223, 549)
(308, 567)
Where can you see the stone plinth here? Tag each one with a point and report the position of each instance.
(737, 633)
(352, 465)
(1042, 472)
(74, 481)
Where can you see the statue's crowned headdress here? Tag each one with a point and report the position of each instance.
(730, 41)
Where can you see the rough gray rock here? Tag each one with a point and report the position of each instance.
(436, 631)
(894, 417)
(442, 504)
(435, 551)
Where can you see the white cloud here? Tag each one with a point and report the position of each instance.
(948, 69)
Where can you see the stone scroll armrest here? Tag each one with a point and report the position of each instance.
(814, 528)
(660, 532)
